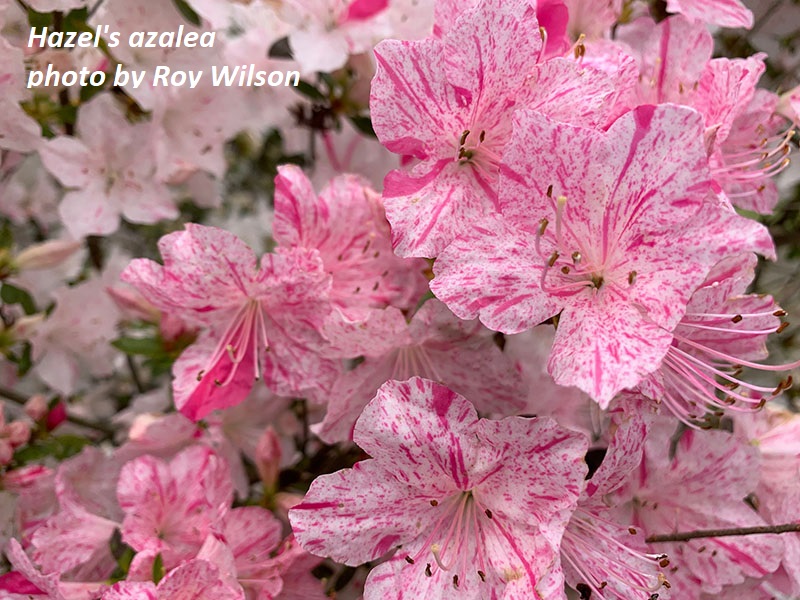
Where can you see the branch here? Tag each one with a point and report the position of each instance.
(707, 533)
(106, 430)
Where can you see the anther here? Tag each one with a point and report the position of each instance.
(543, 226)
(200, 375)
(632, 530)
(553, 258)
(455, 581)
(434, 503)
(663, 563)
(737, 318)
(409, 560)
(550, 191)
(428, 572)
(782, 326)
(482, 575)
(463, 137)
(488, 513)
(576, 257)
(482, 136)
(565, 270)
(631, 277)
(779, 313)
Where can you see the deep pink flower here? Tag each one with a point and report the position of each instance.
(477, 506)
(611, 231)
(449, 103)
(264, 319)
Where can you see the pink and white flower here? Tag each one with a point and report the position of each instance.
(477, 506)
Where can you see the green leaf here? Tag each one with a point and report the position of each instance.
(363, 124)
(6, 237)
(309, 91)
(59, 447)
(150, 347)
(11, 294)
(188, 12)
(158, 569)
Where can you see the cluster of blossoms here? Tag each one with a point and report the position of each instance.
(495, 340)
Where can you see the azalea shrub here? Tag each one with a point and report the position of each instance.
(423, 299)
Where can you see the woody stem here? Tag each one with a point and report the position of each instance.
(707, 533)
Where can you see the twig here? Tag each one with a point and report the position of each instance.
(106, 430)
(137, 380)
(708, 533)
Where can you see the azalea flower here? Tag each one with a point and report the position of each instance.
(611, 232)
(688, 482)
(449, 103)
(435, 345)
(111, 170)
(347, 225)
(722, 331)
(726, 13)
(473, 507)
(170, 508)
(263, 320)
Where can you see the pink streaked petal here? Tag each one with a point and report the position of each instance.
(300, 219)
(419, 426)
(726, 13)
(604, 345)
(491, 272)
(360, 514)
(131, 590)
(726, 89)
(410, 88)
(481, 49)
(197, 386)
(566, 91)
(525, 493)
(205, 269)
(428, 212)
(630, 177)
(197, 580)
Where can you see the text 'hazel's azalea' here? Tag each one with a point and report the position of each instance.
(263, 319)
(449, 103)
(476, 507)
(612, 230)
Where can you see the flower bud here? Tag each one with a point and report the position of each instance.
(268, 458)
(46, 255)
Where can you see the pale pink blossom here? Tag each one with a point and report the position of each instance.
(476, 507)
(109, 169)
(74, 339)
